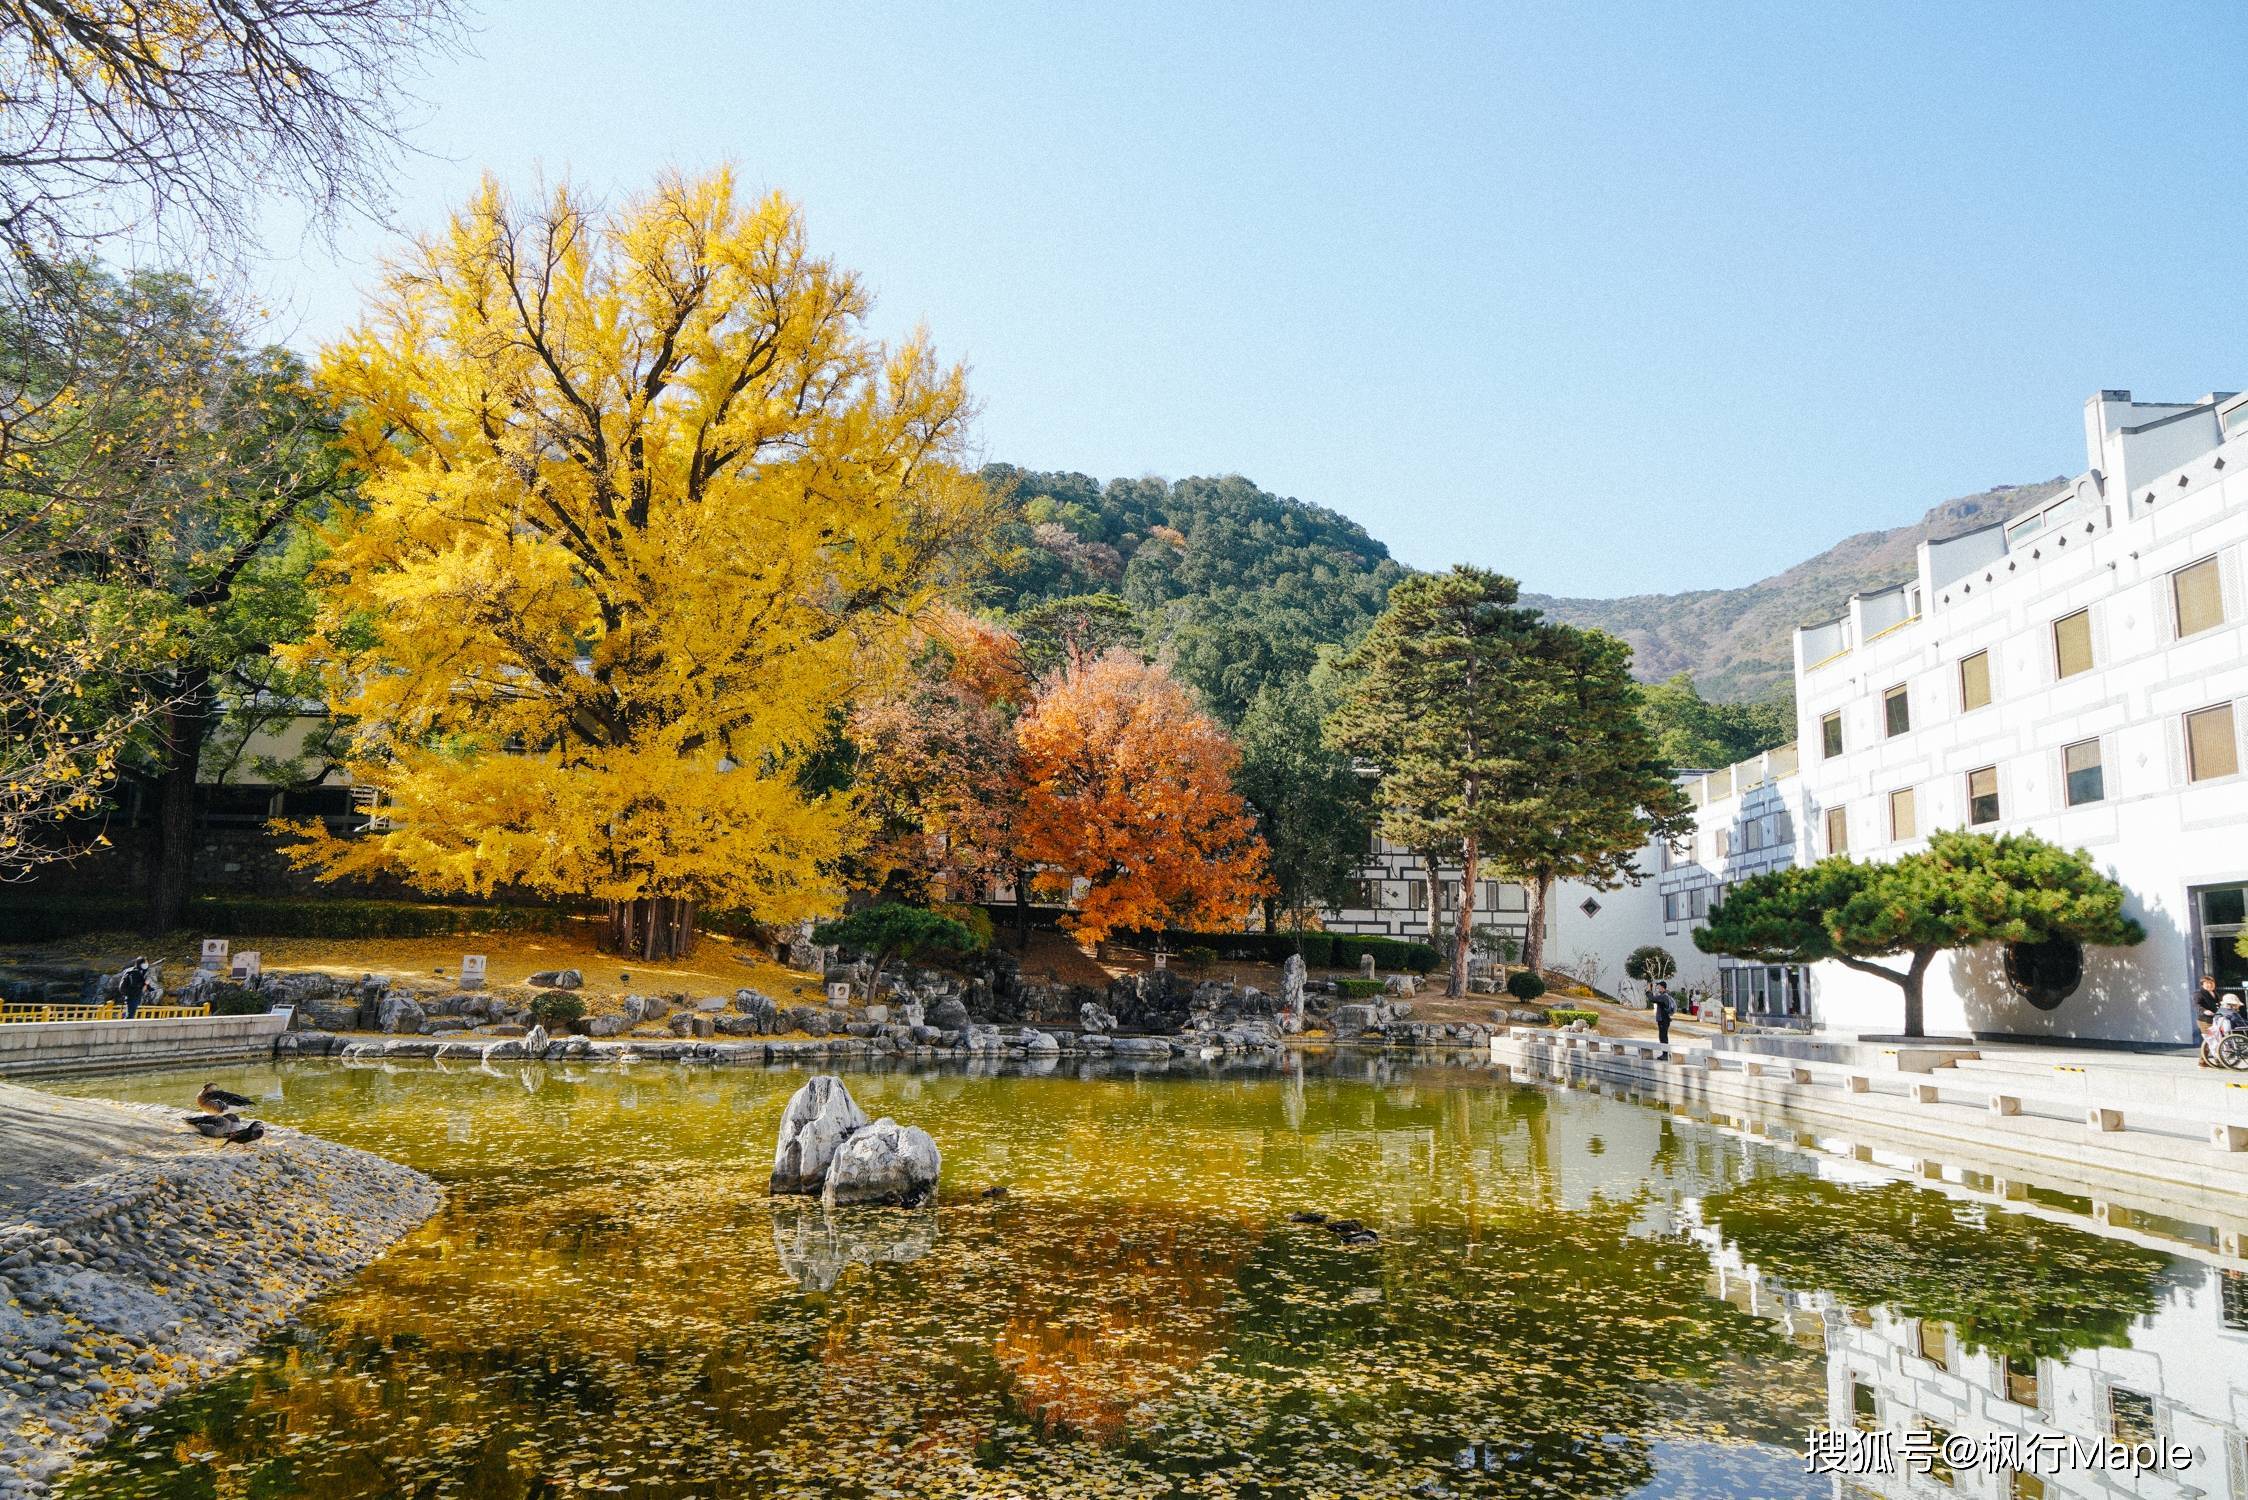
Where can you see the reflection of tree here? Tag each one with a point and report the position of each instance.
(2009, 1283)
(1530, 1368)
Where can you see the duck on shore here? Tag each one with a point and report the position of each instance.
(217, 1101)
(231, 1128)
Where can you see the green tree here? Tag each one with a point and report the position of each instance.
(1502, 735)
(1074, 631)
(1313, 807)
(891, 929)
(1649, 963)
(1594, 787)
(1695, 733)
(1962, 891)
(182, 498)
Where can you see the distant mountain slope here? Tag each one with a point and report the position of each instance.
(1736, 643)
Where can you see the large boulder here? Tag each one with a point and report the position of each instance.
(982, 1039)
(1094, 1018)
(885, 1163)
(819, 1118)
(1356, 1020)
(558, 979)
(948, 1013)
(398, 1014)
(1157, 1001)
(758, 1009)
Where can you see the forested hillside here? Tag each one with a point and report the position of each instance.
(1239, 587)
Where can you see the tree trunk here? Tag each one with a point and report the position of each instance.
(180, 734)
(1463, 931)
(1022, 911)
(1916, 1023)
(652, 928)
(1533, 940)
(1271, 916)
(1435, 885)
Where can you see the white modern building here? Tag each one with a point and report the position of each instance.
(2077, 673)
(1583, 927)
(1746, 819)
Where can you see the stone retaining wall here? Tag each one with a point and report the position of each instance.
(81, 1046)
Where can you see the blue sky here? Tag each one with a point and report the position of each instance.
(1615, 298)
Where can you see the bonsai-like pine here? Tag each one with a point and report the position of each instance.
(1523, 984)
(1964, 890)
(891, 929)
(1650, 962)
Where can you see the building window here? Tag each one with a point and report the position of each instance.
(1670, 906)
(1700, 902)
(1865, 1406)
(1939, 1467)
(2131, 1415)
(2072, 644)
(1724, 843)
(2080, 768)
(1830, 734)
(2199, 597)
(1783, 828)
(1903, 821)
(1838, 830)
(1896, 711)
(2210, 749)
(1416, 894)
(1982, 795)
(2021, 1379)
(1974, 681)
(2026, 1486)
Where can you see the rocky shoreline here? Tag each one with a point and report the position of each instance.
(127, 1286)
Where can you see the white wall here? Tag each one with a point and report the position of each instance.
(2155, 832)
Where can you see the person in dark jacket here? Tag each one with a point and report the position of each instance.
(133, 985)
(1663, 1007)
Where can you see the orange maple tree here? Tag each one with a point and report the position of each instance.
(1128, 786)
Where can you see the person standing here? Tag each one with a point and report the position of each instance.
(2206, 1001)
(1661, 1002)
(133, 985)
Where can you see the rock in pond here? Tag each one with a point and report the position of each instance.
(885, 1163)
(820, 1117)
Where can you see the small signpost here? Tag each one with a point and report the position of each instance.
(214, 955)
(472, 971)
(839, 993)
(247, 966)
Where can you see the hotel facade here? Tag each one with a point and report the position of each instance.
(2079, 672)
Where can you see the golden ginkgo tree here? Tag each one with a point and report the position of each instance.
(643, 503)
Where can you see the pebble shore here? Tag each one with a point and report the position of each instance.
(133, 1284)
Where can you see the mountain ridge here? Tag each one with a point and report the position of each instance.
(1737, 643)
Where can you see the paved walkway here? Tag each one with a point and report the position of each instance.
(48, 1141)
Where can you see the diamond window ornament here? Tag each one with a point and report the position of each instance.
(1589, 907)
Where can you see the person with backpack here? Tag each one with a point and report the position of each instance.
(132, 985)
(1663, 1007)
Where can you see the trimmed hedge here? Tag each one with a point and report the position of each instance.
(1321, 950)
(1358, 989)
(1563, 1016)
(246, 916)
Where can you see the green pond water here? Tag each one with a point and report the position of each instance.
(1560, 1303)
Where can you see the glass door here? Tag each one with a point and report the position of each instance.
(2221, 913)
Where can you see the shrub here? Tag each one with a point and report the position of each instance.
(1198, 957)
(1563, 1016)
(265, 916)
(556, 1010)
(240, 1003)
(1359, 989)
(1524, 985)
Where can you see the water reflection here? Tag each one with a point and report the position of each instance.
(817, 1244)
(1571, 1296)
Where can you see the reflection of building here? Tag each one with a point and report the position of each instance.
(2074, 673)
(2184, 1379)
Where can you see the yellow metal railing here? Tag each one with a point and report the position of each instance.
(109, 1011)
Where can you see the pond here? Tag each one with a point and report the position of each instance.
(1572, 1295)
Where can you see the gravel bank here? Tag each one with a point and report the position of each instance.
(137, 1258)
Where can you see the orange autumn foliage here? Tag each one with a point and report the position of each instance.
(1129, 786)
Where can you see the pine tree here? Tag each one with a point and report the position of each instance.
(1962, 891)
